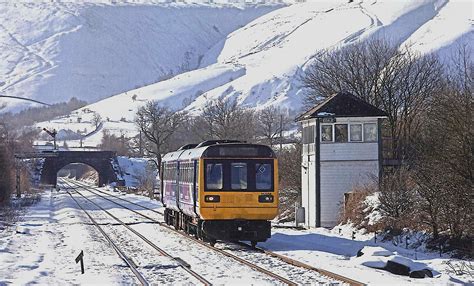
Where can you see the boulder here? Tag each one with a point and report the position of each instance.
(397, 268)
(421, 273)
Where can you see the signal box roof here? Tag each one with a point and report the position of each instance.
(342, 104)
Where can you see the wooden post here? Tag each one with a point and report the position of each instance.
(80, 258)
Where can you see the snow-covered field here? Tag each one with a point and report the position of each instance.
(42, 246)
(261, 63)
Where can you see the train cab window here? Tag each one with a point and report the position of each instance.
(214, 176)
(238, 176)
(263, 176)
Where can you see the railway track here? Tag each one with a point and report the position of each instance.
(258, 277)
(253, 256)
(120, 251)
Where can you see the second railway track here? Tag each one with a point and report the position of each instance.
(283, 269)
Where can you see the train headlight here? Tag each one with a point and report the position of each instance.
(265, 198)
(212, 199)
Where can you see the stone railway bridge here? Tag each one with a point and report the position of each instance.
(104, 162)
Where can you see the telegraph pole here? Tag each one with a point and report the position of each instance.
(281, 131)
(18, 178)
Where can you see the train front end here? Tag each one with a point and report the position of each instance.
(238, 192)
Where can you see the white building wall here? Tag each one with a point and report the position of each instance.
(337, 178)
(349, 151)
(308, 196)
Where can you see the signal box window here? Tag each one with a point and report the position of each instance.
(341, 132)
(214, 176)
(238, 176)
(263, 176)
(370, 132)
(326, 133)
(356, 132)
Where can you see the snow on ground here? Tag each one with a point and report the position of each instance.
(261, 63)
(46, 240)
(337, 252)
(42, 247)
(52, 51)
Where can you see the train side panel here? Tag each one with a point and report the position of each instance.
(169, 185)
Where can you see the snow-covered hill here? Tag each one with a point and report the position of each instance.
(52, 51)
(260, 63)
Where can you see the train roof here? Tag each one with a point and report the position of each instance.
(218, 150)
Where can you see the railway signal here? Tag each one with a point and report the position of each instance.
(52, 134)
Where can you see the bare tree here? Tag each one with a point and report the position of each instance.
(445, 152)
(119, 144)
(157, 124)
(289, 171)
(397, 197)
(397, 80)
(96, 120)
(270, 123)
(6, 165)
(225, 119)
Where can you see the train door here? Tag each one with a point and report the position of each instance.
(177, 184)
(195, 186)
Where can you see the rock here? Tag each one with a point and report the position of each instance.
(397, 268)
(374, 251)
(421, 274)
(22, 230)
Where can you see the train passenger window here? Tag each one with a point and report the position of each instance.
(263, 176)
(238, 176)
(214, 176)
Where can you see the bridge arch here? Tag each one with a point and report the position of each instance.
(101, 161)
(78, 171)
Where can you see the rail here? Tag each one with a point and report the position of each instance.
(122, 255)
(283, 258)
(180, 262)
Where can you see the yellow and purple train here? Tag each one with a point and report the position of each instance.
(221, 190)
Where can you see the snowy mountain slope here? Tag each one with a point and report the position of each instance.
(279, 45)
(119, 111)
(54, 51)
(260, 64)
(450, 28)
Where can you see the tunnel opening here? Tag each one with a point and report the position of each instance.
(79, 172)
